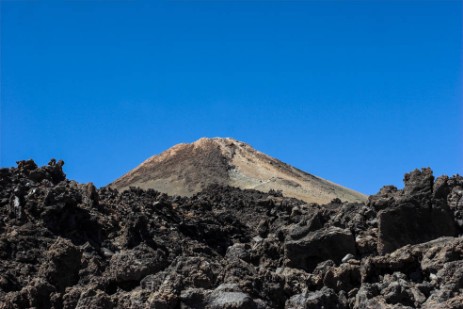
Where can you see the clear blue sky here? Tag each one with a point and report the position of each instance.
(356, 92)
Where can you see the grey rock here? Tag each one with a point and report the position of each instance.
(324, 298)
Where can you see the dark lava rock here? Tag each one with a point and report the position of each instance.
(94, 299)
(328, 243)
(408, 224)
(133, 265)
(62, 264)
(65, 245)
(418, 183)
(412, 216)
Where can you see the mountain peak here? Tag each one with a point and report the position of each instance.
(221, 140)
(186, 169)
(224, 142)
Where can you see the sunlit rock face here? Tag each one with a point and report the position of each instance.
(186, 169)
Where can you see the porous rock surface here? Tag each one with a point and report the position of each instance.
(70, 245)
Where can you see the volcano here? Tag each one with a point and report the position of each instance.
(186, 169)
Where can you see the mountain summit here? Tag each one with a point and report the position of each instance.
(186, 169)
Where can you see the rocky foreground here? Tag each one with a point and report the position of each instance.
(69, 245)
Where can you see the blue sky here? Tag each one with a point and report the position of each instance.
(356, 92)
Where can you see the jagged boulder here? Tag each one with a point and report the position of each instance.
(62, 264)
(130, 266)
(411, 216)
(94, 299)
(345, 277)
(324, 298)
(52, 172)
(229, 297)
(419, 183)
(408, 224)
(36, 294)
(324, 244)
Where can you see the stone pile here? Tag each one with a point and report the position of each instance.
(68, 245)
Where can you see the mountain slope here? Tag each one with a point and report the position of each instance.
(186, 169)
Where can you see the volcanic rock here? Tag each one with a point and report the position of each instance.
(329, 243)
(412, 216)
(324, 298)
(186, 169)
(66, 245)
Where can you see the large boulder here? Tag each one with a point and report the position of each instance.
(94, 299)
(345, 277)
(130, 266)
(198, 272)
(438, 252)
(419, 183)
(413, 215)
(63, 263)
(331, 243)
(231, 300)
(229, 296)
(324, 298)
(36, 294)
(411, 224)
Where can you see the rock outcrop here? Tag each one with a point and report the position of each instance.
(413, 215)
(68, 245)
